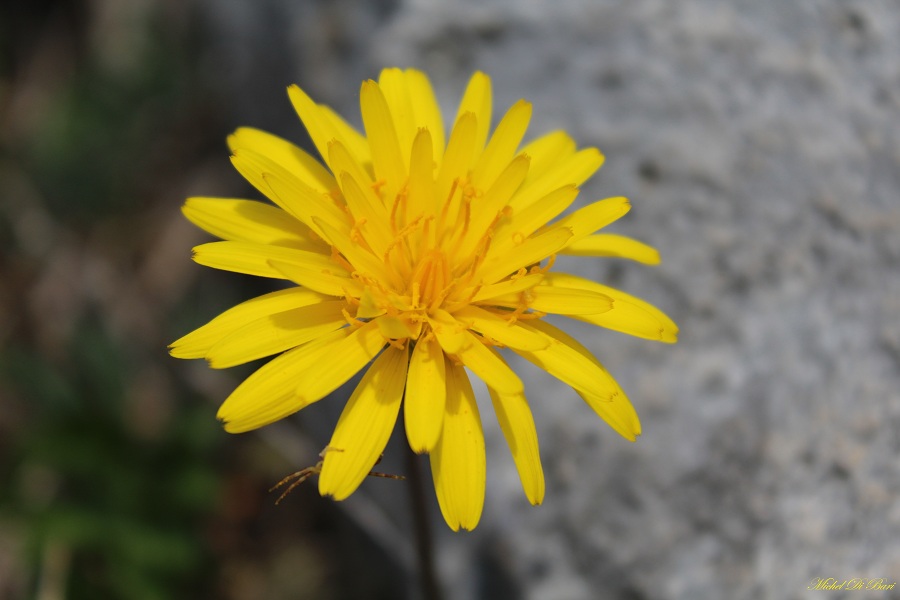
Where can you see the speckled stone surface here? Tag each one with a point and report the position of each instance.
(760, 146)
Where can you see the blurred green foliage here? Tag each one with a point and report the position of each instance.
(102, 135)
(128, 510)
(101, 503)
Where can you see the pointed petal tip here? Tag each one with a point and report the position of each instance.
(295, 90)
(228, 426)
(215, 363)
(633, 434)
(329, 492)
(598, 156)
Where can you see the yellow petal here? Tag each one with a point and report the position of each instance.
(371, 218)
(252, 259)
(342, 161)
(531, 251)
(276, 333)
(618, 413)
(559, 300)
(286, 154)
(487, 208)
(451, 334)
(421, 195)
(573, 171)
(199, 341)
(306, 205)
(458, 158)
(629, 314)
(369, 306)
(324, 125)
(548, 150)
(458, 459)
(249, 221)
(508, 286)
(585, 221)
(564, 362)
(347, 135)
(362, 260)
(308, 111)
(395, 328)
(394, 86)
(427, 111)
(498, 329)
(365, 425)
(317, 273)
(502, 147)
(517, 425)
(611, 404)
(299, 377)
(359, 348)
(610, 244)
(382, 136)
(270, 393)
(287, 191)
(526, 221)
(490, 367)
(569, 361)
(477, 100)
(426, 396)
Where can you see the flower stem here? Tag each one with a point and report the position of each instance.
(428, 581)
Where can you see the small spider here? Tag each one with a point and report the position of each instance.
(304, 474)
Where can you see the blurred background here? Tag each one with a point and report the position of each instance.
(760, 146)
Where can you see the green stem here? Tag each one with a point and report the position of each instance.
(424, 542)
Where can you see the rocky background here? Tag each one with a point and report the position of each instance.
(760, 146)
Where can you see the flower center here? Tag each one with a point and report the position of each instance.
(431, 281)
(432, 261)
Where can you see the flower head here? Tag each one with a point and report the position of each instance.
(422, 255)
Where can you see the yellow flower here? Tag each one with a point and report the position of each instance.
(422, 256)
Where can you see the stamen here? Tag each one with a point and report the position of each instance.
(395, 226)
(537, 269)
(352, 321)
(399, 208)
(356, 230)
(398, 344)
(445, 209)
(402, 235)
(415, 294)
(339, 258)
